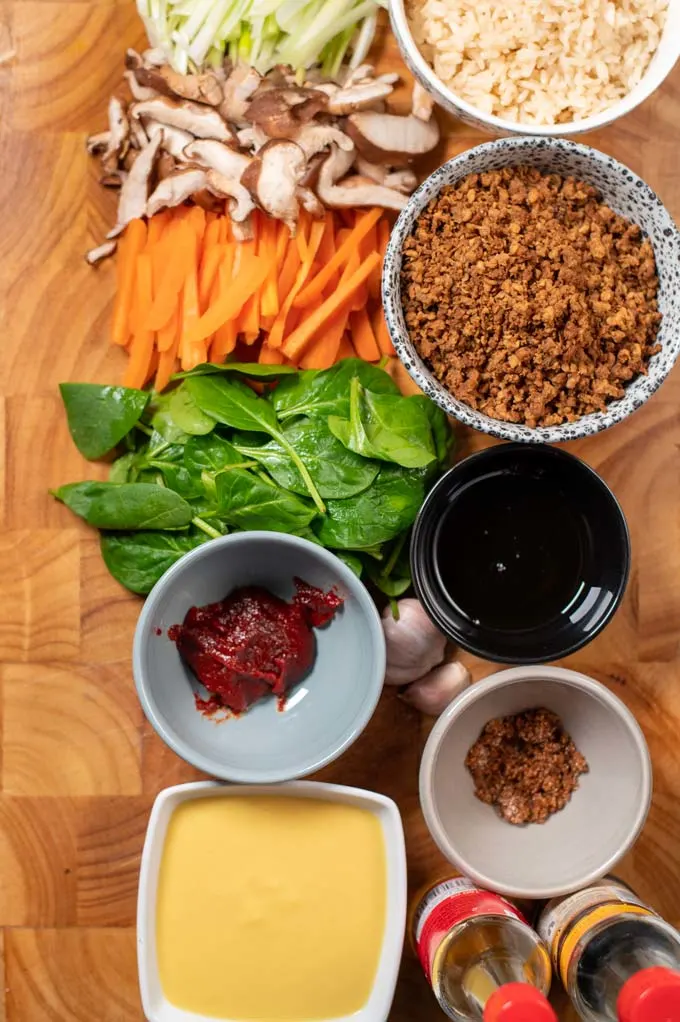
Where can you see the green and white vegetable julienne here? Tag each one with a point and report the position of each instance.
(338, 456)
(262, 33)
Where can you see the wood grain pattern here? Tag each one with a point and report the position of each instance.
(79, 766)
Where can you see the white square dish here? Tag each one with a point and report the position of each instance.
(156, 1006)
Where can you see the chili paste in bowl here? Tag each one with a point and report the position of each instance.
(267, 623)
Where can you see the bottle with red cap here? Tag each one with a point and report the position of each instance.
(480, 956)
(618, 960)
(518, 1002)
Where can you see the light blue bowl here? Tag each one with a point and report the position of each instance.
(323, 715)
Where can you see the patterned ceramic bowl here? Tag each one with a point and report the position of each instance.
(660, 66)
(621, 189)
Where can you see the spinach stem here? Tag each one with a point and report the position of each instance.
(302, 469)
(204, 527)
(392, 559)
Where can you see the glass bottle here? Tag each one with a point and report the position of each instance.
(607, 945)
(471, 943)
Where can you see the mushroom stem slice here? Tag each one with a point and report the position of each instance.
(199, 120)
(98, 143)
(309, 201)
(240, 204)
(173, 140)
(353, 191)
(217, 156)
(119, 134)
(95, 255)
(314, 138)
(139, 93)
(422, 103)
(237, 91)
(135, 189)
(176, 189)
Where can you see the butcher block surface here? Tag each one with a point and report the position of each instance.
(79, 766)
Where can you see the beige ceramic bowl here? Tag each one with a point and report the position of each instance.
(575, 846)
(660, 66)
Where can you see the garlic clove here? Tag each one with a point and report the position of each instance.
(414, 645)
(433, 693)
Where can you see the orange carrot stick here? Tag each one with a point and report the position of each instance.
(345, 350)
(382, 333)
(131, 245)
(363, 337)
(182, 238)
(249, 278)
(298, 341)
(291, 265)
(141, 347)
(276, 333)
(351, 242)
(270, 356)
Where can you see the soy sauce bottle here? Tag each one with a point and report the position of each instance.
(618, 960)
(480, 956)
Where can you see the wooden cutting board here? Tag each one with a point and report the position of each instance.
(79, 767)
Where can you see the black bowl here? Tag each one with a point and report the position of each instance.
(520, 554)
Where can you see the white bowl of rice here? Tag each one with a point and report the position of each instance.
(539, 67)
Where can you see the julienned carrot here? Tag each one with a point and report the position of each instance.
(323, 352)
(183, 242)
(198, 291)
(141, 346)
(270, 356)
(362, 334)
(360, 229)
(250, 276)
(346, 349)
(297, 342)
(382, 333)
(276, 334)
(131, 245)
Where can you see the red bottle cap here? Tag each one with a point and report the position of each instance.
(518, 1002)
(651, 995)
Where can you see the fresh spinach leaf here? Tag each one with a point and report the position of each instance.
(253, 369)
(247, 501)
(138, 559)
(180, 479)
(234, 404)
(186, 414)
(386, 426)
(124, 469)
(210, 454)
(326, 392)
(99, 417)
(336, 472)
(124, 506)
(378, 514)
(353, 561)
(162, 422)
(442, 434)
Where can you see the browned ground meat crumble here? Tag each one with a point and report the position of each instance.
(525, 765)
(529, 299)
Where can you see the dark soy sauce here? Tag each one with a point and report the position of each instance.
(510, 550)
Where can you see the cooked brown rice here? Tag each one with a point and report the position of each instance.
(538, 61)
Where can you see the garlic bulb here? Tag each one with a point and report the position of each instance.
(414, 645)
(433, 693)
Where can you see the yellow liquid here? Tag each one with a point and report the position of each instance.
(270, 908)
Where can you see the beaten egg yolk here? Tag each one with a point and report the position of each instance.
(270, 907)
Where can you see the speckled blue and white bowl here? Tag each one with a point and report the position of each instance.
(621, 189)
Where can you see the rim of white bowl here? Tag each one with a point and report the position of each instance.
(143, 633)
(657, 71)
(477, 691)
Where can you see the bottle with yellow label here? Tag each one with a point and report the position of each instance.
(618, 960)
